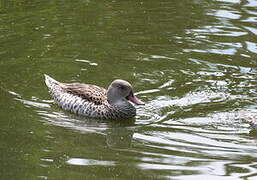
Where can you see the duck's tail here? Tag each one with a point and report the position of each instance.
(50, 82)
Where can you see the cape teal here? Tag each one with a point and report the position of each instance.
(94, 101)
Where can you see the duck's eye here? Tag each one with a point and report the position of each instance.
(122, 87)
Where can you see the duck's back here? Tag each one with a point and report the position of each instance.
(84, 99)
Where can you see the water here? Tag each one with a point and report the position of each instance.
(192, 62)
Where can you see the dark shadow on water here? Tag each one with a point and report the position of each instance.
(118, 133)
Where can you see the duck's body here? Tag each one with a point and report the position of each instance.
(94, 101)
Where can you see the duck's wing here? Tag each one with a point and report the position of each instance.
(89, 92)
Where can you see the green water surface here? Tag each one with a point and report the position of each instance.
(193, 63)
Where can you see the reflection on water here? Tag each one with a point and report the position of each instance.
(197, 76)
(88, 162)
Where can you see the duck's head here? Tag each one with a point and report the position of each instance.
(121, 90)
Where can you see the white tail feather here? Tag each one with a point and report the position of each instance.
(50, 81)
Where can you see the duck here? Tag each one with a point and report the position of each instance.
(93, 101)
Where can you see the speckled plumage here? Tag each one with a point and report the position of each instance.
(91, 100)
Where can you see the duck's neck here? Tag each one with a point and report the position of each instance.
(125, 108)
